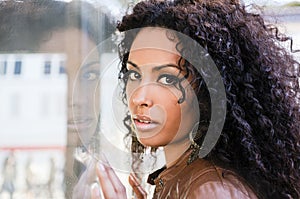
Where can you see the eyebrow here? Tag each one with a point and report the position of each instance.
(157, 68)
(87, 65)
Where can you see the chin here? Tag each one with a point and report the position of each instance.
(150, 142)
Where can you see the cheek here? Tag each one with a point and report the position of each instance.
(173, 113)
(173, 119)
(129, 90)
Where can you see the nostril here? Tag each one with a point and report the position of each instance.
(144, 104)
(141, 97)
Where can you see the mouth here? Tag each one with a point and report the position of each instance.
(80, 123)
(144, 123)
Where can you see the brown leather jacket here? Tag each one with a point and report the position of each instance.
(200, 179)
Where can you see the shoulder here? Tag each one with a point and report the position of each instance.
(219, 190)
(217, 183)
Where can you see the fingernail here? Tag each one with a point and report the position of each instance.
(95, 190)
(101, 166)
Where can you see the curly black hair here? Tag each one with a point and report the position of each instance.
(261, 138)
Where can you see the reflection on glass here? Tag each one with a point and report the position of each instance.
(18, 67)
(42, 46)
(56, 87)
(3, 65)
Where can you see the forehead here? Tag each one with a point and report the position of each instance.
(156, 39)
(152, 46)
(70, 42)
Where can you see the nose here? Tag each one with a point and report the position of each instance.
(142, 97)
(78, 98)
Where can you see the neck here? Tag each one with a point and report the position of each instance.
(175, 150)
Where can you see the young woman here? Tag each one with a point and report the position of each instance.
(170, 102)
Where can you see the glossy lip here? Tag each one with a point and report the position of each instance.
(144, 123)
(79, 123)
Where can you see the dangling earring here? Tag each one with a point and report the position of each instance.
(146, 151)
(194, 146)
(142, 155)
(194, 132)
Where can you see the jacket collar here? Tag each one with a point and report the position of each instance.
(165, 174)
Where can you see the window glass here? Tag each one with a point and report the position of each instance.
(18, 68)
(3, 65)
(66, 55)
(47, 68)
(46, 42)
(62, 69)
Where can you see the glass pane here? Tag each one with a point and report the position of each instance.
(18, 67)
(60, 94)
(3, 65)
(43, 45)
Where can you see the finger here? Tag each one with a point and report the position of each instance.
(117, 184)
(137, 188)
(95, 191)
(81, 192)
(82, 188)
(87, 192)
(91, 171)
(106, 184)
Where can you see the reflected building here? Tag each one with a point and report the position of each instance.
(33, 89)
(33, 93)
(42, 47)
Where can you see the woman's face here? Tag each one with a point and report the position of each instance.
(82, 81)
(153, 91)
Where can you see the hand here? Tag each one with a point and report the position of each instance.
(86, 187)
(136, 186)
(112, 186)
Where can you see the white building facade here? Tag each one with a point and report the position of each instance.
(33, 117)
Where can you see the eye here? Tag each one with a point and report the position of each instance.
(168, 79)
(90, 75)
(133, 75)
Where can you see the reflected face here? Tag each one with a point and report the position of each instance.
(154, 82)
(82, 80)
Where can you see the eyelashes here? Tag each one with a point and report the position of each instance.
(167, 79)
(133, 75)
(164, 79)
(90, 75)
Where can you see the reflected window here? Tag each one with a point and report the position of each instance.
(47, 67)
(3, 66)
(62, 69)
(18, 67)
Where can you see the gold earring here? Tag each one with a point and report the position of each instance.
(194, 146)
